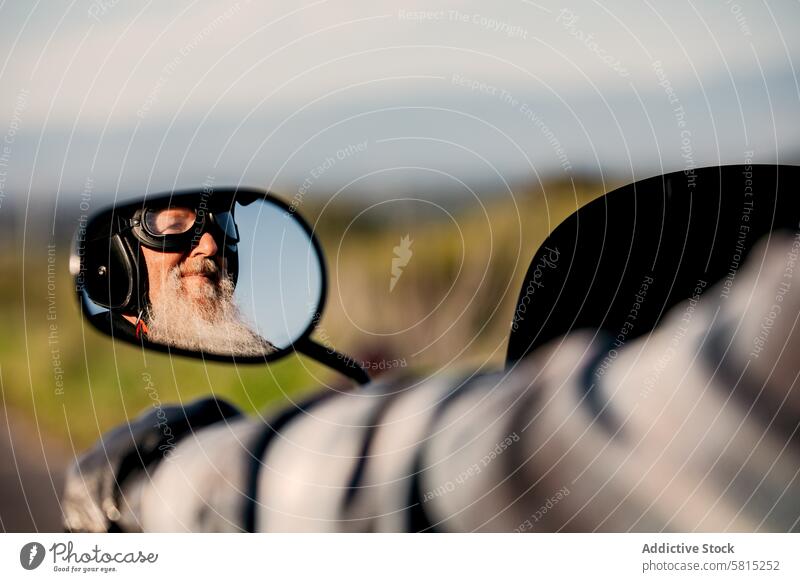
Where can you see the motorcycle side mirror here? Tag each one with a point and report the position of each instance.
(232, 275)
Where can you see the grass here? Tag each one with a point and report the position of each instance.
(455, 299)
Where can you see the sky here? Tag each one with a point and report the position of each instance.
(111, 98)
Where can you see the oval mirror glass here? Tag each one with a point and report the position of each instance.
(224, 274)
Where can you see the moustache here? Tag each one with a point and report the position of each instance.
(203, 266)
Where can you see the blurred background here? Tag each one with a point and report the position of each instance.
(452, 135)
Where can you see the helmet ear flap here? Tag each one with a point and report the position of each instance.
(115, 276)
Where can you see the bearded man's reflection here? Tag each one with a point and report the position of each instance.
(190, 289)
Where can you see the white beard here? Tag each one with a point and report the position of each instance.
(205, 319)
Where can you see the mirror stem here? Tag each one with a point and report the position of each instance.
(340, 362)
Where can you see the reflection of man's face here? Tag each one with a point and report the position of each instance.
(191, 293)
(200, 270)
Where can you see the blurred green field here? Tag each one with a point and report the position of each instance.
(454, 302)
(452, 307)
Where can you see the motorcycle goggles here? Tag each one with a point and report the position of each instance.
(179, 228)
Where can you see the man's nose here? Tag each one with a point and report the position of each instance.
(206, 246)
